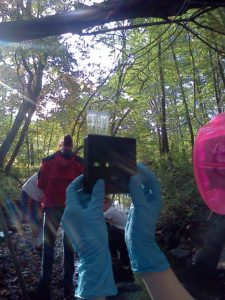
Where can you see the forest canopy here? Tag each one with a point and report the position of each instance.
(157, 69)
(160, 79)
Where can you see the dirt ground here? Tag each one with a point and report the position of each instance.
(213, 288)
(30, 264)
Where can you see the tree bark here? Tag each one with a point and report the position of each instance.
(179, 125)
(183, 97)
(33, 89)
(197, 90)
(37, 141)
(120, 122)
(216, 89)
(13, 131)
(20, 141)
(98, 14)
(164, 135)
(50, 139)
(28, 152)
(32, 156)
(221, 70)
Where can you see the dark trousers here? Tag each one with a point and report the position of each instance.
(24, 202)
(117, 244)
(214, 241)
(30, 209)
(120, 259)
(52, 219)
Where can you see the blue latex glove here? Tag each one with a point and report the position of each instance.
(84, 223)
(144, 253)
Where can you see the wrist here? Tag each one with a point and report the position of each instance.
(148, 258)
(95, 275)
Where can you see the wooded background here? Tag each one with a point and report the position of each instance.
(164, 80)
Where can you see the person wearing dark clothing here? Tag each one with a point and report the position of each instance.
(209, 255)
(56, 173)
(120, 259)
(116, 222)
(204, 270)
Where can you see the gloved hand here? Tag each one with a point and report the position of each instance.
(84, 223)
(144, 253)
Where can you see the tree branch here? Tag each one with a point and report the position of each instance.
(98, 14)
(148, 24)
(208, 27)
(201, 39)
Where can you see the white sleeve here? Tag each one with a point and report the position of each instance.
(31, 188)
(116, 217)
(110, 214)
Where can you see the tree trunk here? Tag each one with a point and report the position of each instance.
(159, 137)
(32, 157)
(4, 149)
(183, 98)
(28, 152)
(221, 70)
(20, 141)
(164, 135)
(50, 140)
(120, 122)
(179, 125)
(34, 87)
(201, 101)
(37, 141)
(197, 90)
(218, 98)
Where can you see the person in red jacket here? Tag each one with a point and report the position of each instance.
(56, 173)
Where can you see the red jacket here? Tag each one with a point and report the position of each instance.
(55, 174)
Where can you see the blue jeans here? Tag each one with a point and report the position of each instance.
(52, 219)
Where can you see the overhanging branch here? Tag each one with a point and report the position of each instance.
(149, 24)
(133, 26)
(98, 14)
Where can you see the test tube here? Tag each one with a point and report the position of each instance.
(97, 122)
(92, 121)
(103, 123)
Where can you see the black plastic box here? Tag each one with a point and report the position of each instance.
(110, 158)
